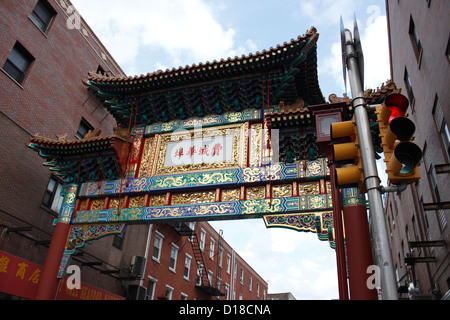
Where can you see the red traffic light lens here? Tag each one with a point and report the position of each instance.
(397, 103)
(396, 112)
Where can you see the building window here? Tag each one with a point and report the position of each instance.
(210, 278)
(441, 125)
(227, 291)
(157, 246)
(192, 227)
(187, 267)
(199, 274)
(118, 241)
(242, 276)
(150, 294)
(250, 282)
(415, 40)
(173, 258)
(212, 244)
(184, 296)
(218, 286)
(409, 89)
(228, 263)
(100, 70)
(257, 289)
(202, 240)
(18, 62)
(52, 196)
(220, 256)
(169, 292)
(42, 15)
(431, 172)
(83, 129)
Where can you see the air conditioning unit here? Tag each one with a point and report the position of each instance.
(137, 266)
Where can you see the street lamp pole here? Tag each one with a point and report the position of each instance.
(381, 246)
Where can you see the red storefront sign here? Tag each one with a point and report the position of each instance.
(19, 277)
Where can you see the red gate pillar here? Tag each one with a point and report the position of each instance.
(339, 236)
(359, 250)
(48, 282)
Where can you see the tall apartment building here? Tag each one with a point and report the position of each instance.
(418, 218)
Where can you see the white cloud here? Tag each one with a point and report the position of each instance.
(327, 12)
(374, 40)
(376, 52)
(185, 30)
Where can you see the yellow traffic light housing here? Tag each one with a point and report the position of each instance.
(396, 131)
(348, 155)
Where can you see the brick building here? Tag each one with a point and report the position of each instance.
(419, 33)
(172, 270)
(42, 62)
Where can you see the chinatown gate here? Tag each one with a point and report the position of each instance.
(231, 139)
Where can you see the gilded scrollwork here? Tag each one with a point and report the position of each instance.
(308, 188)
(157, 200)
(146, 157)
(230, 194)
(281, 191)
(193, 197)
(97, 204)
(83, 204)
(256, 193)
(114, 203)
(136, 202)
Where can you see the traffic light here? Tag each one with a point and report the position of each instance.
(396, 131)
(347, 154)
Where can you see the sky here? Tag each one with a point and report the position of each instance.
(148, 35)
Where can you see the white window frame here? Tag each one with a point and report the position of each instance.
(212, 245)
(152, 296)
(228, 263)
(210, 278)
(192, 226)
(220, 256)
(202, 240)
(161, 238)
(173, 249)
(227, 291)
(170, 290)
(187, 265)
(199, 274)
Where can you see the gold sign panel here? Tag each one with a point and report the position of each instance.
(203, 149)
